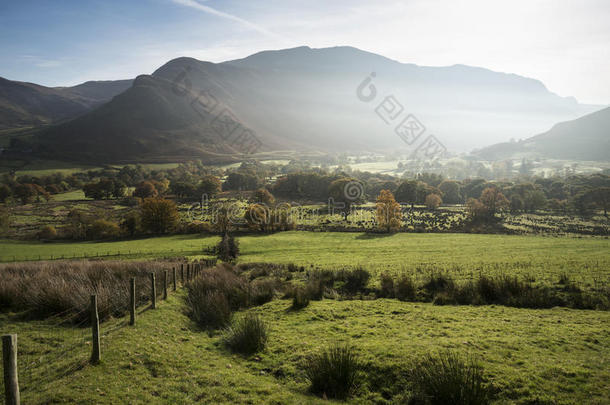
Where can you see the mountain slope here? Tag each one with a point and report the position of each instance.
(27, 104)
(148, 120)
(306, 99)
(585, 138)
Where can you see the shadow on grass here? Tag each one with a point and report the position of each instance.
(373, 235)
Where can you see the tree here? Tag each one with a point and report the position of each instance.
(407, 192)
(493, 200)
(145, 190)
(5, 193)
(158, 215)
(516, 203)
(130, 223)
(451, 191)
(433, 201)
(241, 181)
(257, 217)
(263, 196)
(388, 211)
(346, 191)
(228, 248)
(47, 232)
(25, 193)
(535, 200)
(209, 185)
(103, 229)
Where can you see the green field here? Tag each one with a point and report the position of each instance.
(544, 356)
(557, 356)
(464, 256)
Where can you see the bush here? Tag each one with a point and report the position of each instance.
(44, 289)
(262, 291)
(228, 248)
(300, 299)
(333, 372)
(47, 232)
(356, 280)
(405, 289)
(210, 309)
(386, 286)
(248, 335)
(102, 229)
(158, 216)
(448, 379)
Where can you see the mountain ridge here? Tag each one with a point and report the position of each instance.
(305, 99)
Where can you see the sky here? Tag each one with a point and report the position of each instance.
(563, 43)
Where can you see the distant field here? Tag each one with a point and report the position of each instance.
(544, 259)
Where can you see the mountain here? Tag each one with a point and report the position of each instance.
(27, 104)
(585, 138)
(306, 99)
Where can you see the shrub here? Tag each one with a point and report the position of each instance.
(248, 335)
(47, 232)
(228, 248)
(405, 289)
(438, 283)
(449, 379)
(356, 280)
(386, 286)
(300, 299)
(158, 215)
(262, 291)
(333, 372)
(210, 309)
(43, 289)
(102, 229)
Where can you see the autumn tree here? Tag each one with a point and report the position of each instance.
(263, 196)
(433, 201)
(494, 201)
(158, 215)
(388, 211)
(145, 189)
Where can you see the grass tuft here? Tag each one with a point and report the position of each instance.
(248, 335)
(333, 372)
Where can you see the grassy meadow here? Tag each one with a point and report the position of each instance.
(530, 356)
(463, 256)
(556, 356)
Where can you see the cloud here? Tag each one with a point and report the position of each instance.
(206, 9)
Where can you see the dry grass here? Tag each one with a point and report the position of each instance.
(49, 288)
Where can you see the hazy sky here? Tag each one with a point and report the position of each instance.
(563, 43)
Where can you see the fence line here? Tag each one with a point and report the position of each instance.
(41, 369)
(129, 253)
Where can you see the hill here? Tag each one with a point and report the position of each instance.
(585, 138)
(28, 104)
(306, 99)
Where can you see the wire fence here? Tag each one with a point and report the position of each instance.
(203, 251)
(61, 344)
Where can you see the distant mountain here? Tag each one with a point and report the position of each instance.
(27, 104)
(585, 138)
(306, 99)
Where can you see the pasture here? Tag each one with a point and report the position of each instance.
(464, 256)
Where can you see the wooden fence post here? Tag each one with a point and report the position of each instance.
(95, 332)
(182, 273)
(174, 277)
(188, 272)
(164, 284)
(132, 301)
(153, 291)
(11, 381)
